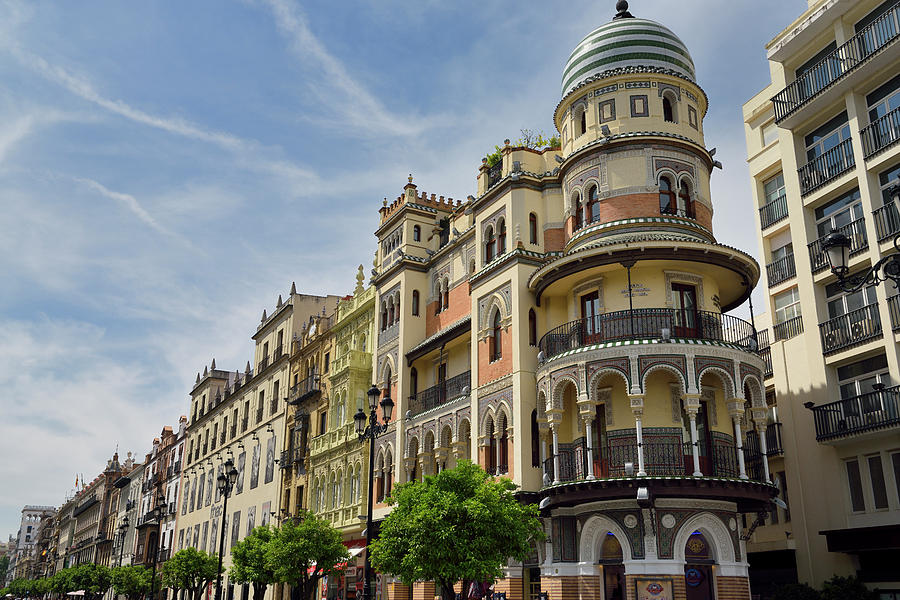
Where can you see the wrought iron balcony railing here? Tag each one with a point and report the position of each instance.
(766, 355)
(881, 134)
(781, 270)
(774, 445)
(887, 222)
(826, 167)
(875, 410)
(306, 388)
(894, 311)
(438, 395)
(841, 61)
(855, 230)
(648, 323)
(774, 211)
(788, 329)
(855, 327)
(495, 174)
(677, 212)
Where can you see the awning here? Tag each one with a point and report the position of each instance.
(356, 551)
(863, 539)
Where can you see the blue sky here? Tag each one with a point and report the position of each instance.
(168, 168)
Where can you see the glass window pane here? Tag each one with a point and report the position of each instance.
(879, 491)
(854, 481)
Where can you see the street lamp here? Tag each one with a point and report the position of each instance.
(837, 245)
(225, 483)
(157, 513)
(123, 529)
(369, 434)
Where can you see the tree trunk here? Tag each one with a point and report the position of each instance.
(447, 592)
(259, 590)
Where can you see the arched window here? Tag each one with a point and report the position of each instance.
(384, 316)
(386, 389)
(501, 237)
(593, 200)
(489, 245)
(472, 266)
(532, 228)
(417, 233)
(391, 313)
(582, 122)
(684, 200)
(532, 327)
(668, 113)
(579, 212)
(413, 381)
(446, 295)
(496, 337)
(415, 303)
(535, 441)
(666, 197)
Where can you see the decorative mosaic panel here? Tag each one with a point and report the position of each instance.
(619, 364)
(703, 362)
(665, 536)
(645, 363)
(635, 534)
(675, 165)
(750, 370)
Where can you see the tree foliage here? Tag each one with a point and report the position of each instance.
(249, 564)
(133, 581)
(458, 525)
(190, 569)
(530, 138)
(95, 580)
(303, 552)
(846, 588)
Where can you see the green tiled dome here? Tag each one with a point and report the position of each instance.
(624, 43)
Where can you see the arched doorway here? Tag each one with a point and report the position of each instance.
(613, 568)
(698, 571)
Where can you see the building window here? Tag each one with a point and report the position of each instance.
(854, 481)
(578, 212)
(327, 362)
(639, 106)
(446, 296)
(501, 237)
(884, 100)
(876, 474)
(323, 422)
(489, 245)
(535, 441)
(787, 305)
(773, 188)
(415, 303)
(858, 380)
(413, 381)
(895, 461)
(826, 137)
(888, 179)
(685, 203)
(841, 303)
(668, 113)
(607, 111)
(417, 233)
(532, 228)
(693, 121)
(769, 133)
(839, 213)
(593, 205)
(581, 120)
(496, 337)
(666, 197)
(532, 327)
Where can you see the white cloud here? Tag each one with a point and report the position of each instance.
(132, 204)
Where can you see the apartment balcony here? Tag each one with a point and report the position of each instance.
(259, 417)
(766, 355)
(647, 323)
(840, 64)
(887, 222)
(305, 389)
(788, 329)
(244, 423)
(284, 462)
(876, 410)
(774, 444)
(826, 167)
(278, 353)
(894, 311)
(439, 395)
(881, 134)
(781, 270)
(851, 329)
(773, 212)
(855, 230)
(263, 363)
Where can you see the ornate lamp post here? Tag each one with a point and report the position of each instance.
(368, 434)
(837, 246)
(157, 513)
(123, 529)
(225, 483)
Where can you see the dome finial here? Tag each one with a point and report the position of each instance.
(622, 8)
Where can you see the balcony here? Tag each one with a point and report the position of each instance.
(262, 364)
(495, 174)
(881, 134)
(244, 423)
(887, 222)
(677, 212)
(855, 327)
(843, 60)
(875, 410)
(894, 311)
(259, 413)
(788, 329)
(647, 323)
(305, 389)
(855, 230)
(285, 461)
(439, 395)
(278, 353)
(774, 445)
(773, 212)
(766, 355)
(826, 167)
(781, 270)
(222, 437)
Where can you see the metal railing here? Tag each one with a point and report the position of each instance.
(766, 355)
(867, 412)
(244, 423)
(647, 323)
(285, 461)
(850, 329)
(881, 133)
(259, 413)
(788, 329)
(438, 395)
(495, 174)
(308, 386)
(887, 222)
(827, 166)
(855, 230)
(263, 363)
(774, 211)
(781, 270)
(842, 60)
(894, 311)
(774, 445)
(677, 212)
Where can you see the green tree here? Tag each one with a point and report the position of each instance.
(61, 582)
(460, 525)
(133, 581)
(41, 587)
(846, 588)
(303, 552)
(249, 564)
(20, 587)
(190, 569)
(4, 565)
(95, 580)
(796, 591)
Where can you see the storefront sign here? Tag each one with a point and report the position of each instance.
(655, 588)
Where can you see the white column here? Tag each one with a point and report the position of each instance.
(695, 450)
(764, 450)
(555, 455)
(590, 448)
(740, 446)
(497, 439)
(640, 443)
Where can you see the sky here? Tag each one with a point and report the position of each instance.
(167, 169)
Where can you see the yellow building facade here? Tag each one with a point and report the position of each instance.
(822, 145)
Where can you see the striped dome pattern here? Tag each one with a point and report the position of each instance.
(626, 43)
